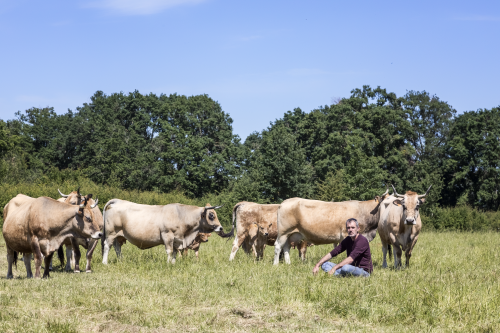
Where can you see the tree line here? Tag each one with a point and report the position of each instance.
(350, 150)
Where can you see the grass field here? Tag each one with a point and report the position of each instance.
(452, 285)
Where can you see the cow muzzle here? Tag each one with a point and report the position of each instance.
(96, 235)
(410, 220)
(218, 228)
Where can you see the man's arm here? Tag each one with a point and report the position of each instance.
(346, 261)
(327, 257)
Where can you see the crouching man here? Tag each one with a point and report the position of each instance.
(359, 258)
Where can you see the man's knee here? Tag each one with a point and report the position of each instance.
(327, 266)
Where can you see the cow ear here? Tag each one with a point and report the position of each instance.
(397, 202)
(422, 200)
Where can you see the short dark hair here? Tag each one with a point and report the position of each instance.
(352, 220)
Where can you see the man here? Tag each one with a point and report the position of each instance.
(359, 259)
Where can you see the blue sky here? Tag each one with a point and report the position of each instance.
(258, 59)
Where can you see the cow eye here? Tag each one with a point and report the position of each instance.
(88, 218)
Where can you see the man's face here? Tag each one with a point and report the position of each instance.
(352, 229)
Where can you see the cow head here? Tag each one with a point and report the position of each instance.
(86, 220)
(203, 237)
(210, 221)
(380, 198)
(263, 228)
(75, 198)
(411, 202)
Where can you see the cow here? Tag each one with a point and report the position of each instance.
(195, 245)
(173, 225)
(248, 216)
(40, 226)
(256, 228)
(400, 225)
(75, 198)
(321, 222)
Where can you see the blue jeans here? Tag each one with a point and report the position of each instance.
(345, 270)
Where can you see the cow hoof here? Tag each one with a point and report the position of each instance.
(10, 277)
(88, 271)
(77, 271)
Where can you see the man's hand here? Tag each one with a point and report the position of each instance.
(315, 270)
(333, 270)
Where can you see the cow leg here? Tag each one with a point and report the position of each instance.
(27, 264)
(77, 254)
(70, 258)
(168, 240)
(236, 245)
(118, 248)
(108, 240)
(35, 247)
(302, 247)
(409, 250)
(10, 261)
(90, 252)
(384, 254)
(397, 256)
(278, 245)
(286, 250)
(47, 261)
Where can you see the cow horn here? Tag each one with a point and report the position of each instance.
(95, 203)
(396, 193)
(423, 195)
(214, 207)
(62, 195)
(386, 191)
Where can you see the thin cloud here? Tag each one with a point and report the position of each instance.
(139, 7)
(477, 18)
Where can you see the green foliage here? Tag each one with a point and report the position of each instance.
(473, 166)
(333, 188)
(279, 166)
(463, 218)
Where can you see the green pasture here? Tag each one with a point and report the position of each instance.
(452, 285)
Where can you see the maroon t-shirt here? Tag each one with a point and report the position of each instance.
(358, 250)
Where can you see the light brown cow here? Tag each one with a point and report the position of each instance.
(195, 245)
(256, 228)
(400, 224)
(175, 225)
(320, 222)
(247, 218)
(75, 198)
(39, 226)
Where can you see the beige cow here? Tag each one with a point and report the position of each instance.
(400, 225)
(175, 225)
(40, 226)
(320, 222)
(75, 198)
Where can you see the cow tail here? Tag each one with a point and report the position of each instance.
(60, 254)
(104, 226)
(389, 249)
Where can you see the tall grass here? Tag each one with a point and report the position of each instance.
(453, 284)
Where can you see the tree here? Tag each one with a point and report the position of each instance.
(280, 168)
(472, 171)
